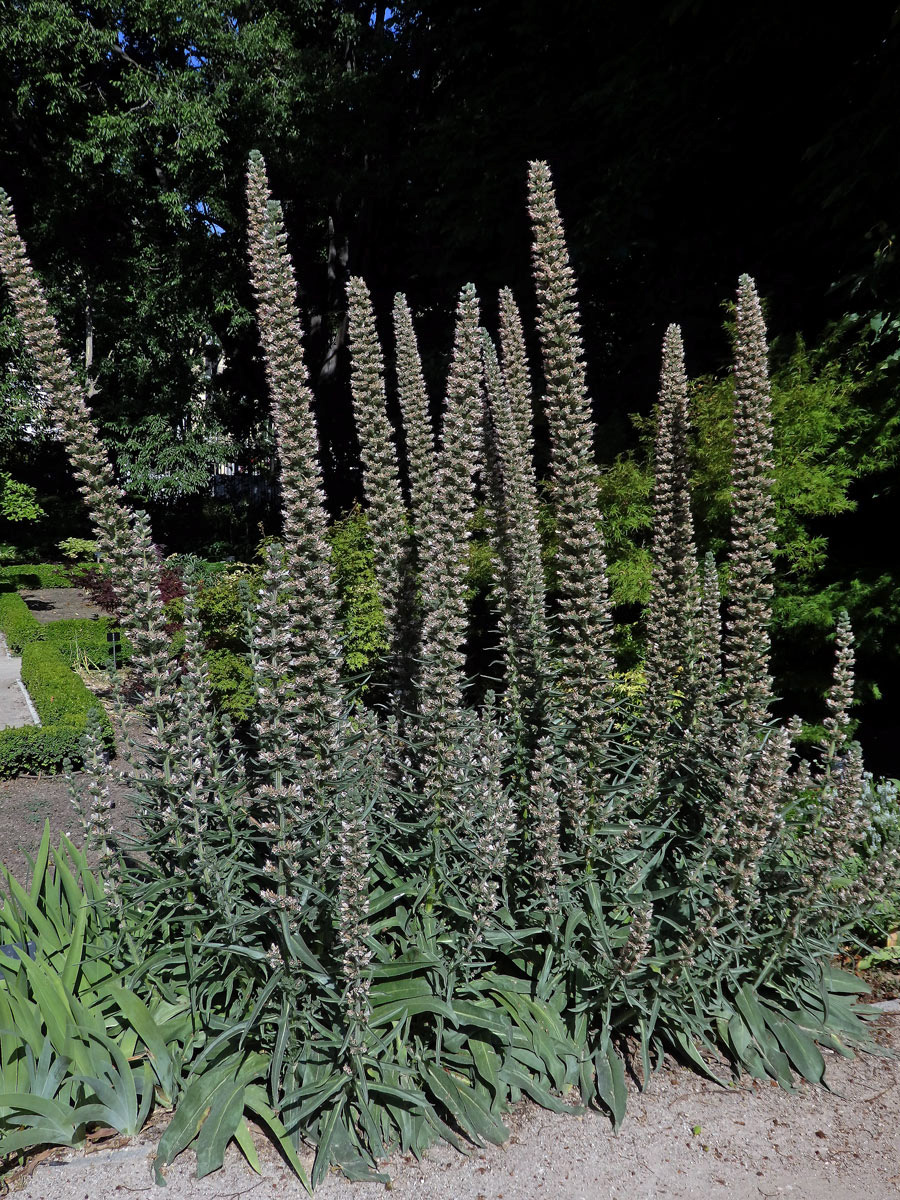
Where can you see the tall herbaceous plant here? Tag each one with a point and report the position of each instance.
(400, 909)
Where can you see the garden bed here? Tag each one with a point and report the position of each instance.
(685, 1137)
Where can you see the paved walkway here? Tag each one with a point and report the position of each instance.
(15, 704)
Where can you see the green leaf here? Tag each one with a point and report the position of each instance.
(47, 934)
(487, 1063)
(754, 1015)
(75, 951)
(401, 1010)
(324, 1146)
(483, 1016)
(461, 1102)
(198, 1100)
(799, 1047)
(226, 1110)
(688, 1047)
(256, 1100)
(540, 1095)
(151, 1034)
(610, 1080)
(244, 1140)
(40, 863)
(41, 1135)
(399, 989)
(51, 999)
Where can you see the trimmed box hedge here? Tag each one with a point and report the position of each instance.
(79, 639)
(36, 575)
(63, 704)
(18, 622)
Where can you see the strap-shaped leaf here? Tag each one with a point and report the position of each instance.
(257, 1102)
(198, 1099)
(75, 952)
(39, 869)
(324, 1147)
(521, 1079)
(776, 1061)
(610, 1081)
(151, 1034)
(462, 1103)
(487, 1063)
(244, 1140)
(225, 1113)
(799, 1047)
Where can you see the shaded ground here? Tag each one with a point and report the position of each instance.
(59, 604)
(30, 800)
(686, 1137)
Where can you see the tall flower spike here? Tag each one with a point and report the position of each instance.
(840, 697)
(489, 821)
(447, 527)
(381, 475)
(674, 596)
(584, 610)
(105, 501)
(124, 539)
(522, 592)
(544, 833)
(516, 376)
(752, 520)
(364, 775)
(706, 681)
(312, 600)
(414, 410)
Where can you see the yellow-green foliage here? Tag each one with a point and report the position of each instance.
(820, 420)
(362, 617)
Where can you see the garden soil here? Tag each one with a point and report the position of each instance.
(684, 1137)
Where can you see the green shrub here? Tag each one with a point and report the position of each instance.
(231, 680)
(76, 548)
(63, 704)
(353, 563)
(80, 640)
(36, 575)
(83, 641)
(18, 623)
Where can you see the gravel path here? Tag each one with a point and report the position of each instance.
(752, 1141)
(16, 708)
(58, 604)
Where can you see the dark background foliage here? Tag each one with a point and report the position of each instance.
(689, 142)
